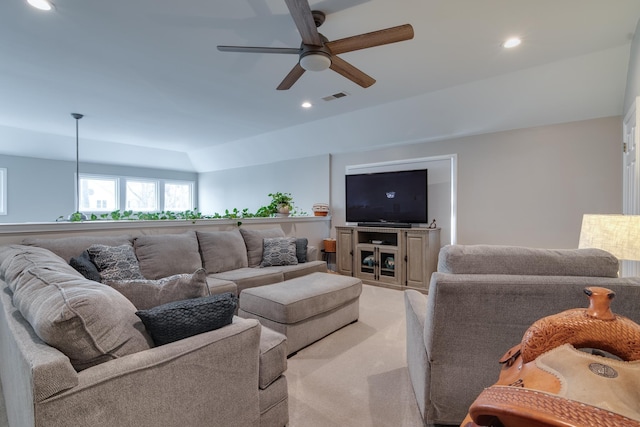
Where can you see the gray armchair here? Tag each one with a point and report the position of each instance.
(480, 302)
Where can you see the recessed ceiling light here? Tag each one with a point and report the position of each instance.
(512, 42)
(306, 104)
(41, 4)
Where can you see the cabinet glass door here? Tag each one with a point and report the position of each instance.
(367, 262)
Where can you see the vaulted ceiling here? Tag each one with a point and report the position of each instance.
(156, 92)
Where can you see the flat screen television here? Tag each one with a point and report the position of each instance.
(396, 197)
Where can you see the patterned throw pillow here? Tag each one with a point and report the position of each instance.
(83, 265)
(146, 294)
(182, 319)
(115, 262)
(279, 251)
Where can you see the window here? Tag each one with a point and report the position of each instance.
(178, 196)
(142, 195)
(3, 191)
(103, 194)
(98, 194)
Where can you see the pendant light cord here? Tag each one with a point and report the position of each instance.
(77, 116)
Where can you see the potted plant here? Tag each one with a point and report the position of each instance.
(281, 203)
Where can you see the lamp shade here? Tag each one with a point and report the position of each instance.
(616, 234)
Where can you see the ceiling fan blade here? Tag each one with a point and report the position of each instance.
(253, 49)
(375, 38)
(301, 13)
(347, 70)
(293, 76)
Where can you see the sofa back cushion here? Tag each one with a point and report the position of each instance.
(165, 255)
(89, 322)
(222, 250)
(69, 247)
(254, 240)
(516, 260)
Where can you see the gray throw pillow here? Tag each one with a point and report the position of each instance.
(279, 251)
(253, 239)
(83, 265)
(301, 249)
(163, 255)
(115, 262)
(146, 294)
(182, 319)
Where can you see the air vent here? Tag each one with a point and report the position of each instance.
(335, 96)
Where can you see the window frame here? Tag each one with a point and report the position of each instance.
(163, 192)
(117, 182)
(3, 192)
(121, 191)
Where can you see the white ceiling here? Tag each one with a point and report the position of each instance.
(156, 92)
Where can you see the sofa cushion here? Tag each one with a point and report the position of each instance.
(146, 294)
(182, 319)
(279, 251)
(250, 277)
(69, 247)
(222, 250)
(89, 322)
(516, 260)
(115, 262)
(83, 265)
(253, 241)
(163, 255)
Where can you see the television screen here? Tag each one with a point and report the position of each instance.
(399, 196)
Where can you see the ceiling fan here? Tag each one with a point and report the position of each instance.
(317, 53)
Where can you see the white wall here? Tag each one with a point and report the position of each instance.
(632, 89)
(525, 187)
(41, 190)
(307, 180)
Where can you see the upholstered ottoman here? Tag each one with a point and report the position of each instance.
(306, 308)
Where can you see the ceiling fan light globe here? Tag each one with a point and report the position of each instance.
(315, 62)
(41, 4)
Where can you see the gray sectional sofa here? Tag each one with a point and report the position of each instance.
(480, 302)
(73, 352)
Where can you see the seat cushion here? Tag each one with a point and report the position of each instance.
(249, 277)
(163, 255)
(298, 299)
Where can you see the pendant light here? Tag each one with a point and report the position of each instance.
(77, 215)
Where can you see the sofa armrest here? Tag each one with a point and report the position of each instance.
(207, 379)
(312, 253)
(472, 320)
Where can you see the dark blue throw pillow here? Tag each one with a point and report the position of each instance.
(83, 265)
(182, 319)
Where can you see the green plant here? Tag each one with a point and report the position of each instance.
(277, 200)
(280, 201)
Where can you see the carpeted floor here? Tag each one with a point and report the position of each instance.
(355, 377)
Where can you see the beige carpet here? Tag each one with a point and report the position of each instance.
(355, 377)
